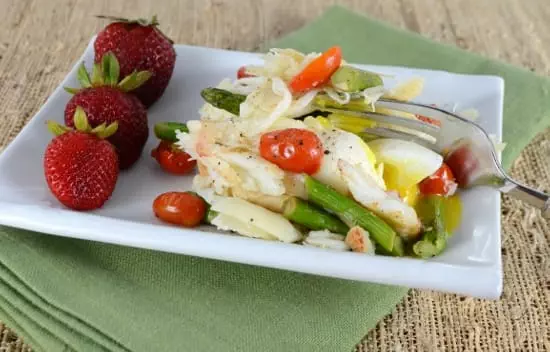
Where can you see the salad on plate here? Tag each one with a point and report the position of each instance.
(274, 161)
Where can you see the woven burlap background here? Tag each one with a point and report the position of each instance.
(41, 39)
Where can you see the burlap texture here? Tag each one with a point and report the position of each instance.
(41, 39)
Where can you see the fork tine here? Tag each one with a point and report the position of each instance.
(390, 119)
(387, 132)
(416, 108)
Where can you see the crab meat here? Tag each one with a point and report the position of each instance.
(358, 240)
(326, 239)
(364, 189)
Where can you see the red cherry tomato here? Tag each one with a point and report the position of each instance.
(429, 120)
(293, 149)
(180, 208)
(241, 73)
(442, 182)
(173, 160)
(318, 71)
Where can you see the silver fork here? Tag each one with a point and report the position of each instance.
(466, 146)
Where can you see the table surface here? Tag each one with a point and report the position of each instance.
(41, 39)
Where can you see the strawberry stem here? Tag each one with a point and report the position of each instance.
(141, 21)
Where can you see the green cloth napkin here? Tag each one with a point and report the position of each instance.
(64, 294)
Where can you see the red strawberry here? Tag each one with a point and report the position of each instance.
(106, 100)
(81, 168)
(139, 46)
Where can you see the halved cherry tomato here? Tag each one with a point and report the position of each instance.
(429, 120)
(180, 208)
(241, 73)
(293, 149)
(442, 182)
(173, 160)
(463, 163)
(318, 71)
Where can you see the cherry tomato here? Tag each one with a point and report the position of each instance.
(173, 160)
(241, 73)
(442, 182)
(180, 208)
(463, 163)
(429, 120)
(293, 149)
(318, 71)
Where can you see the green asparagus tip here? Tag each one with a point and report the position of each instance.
(223, 99)
(166, 131)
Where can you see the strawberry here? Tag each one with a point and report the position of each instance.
(106, 100)
(80, 166)
(139, 46)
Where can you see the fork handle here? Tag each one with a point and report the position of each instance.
(528, 195)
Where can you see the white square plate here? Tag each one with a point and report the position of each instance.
(471, 265)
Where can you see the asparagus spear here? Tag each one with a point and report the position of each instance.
(351, 79)
(352, 213)
(167, 130)
(434, 241)
(312, 217)
(210, 215)
(223, 99)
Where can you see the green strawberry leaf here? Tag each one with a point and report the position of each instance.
(128, 82)
(99, 128)
(114, 70)
(56, 128)
(134, 80)
(80, 120)
(108, 131)
(83, 77)
(71, 90)
(110, 68)
(97, 75)
(142, 77)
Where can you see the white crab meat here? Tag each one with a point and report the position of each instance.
(251, 220)
(364, 189)
(283, 63)
(255, 174)
(263, 107)
(326, 239)
(342, 145)
(358, 240)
